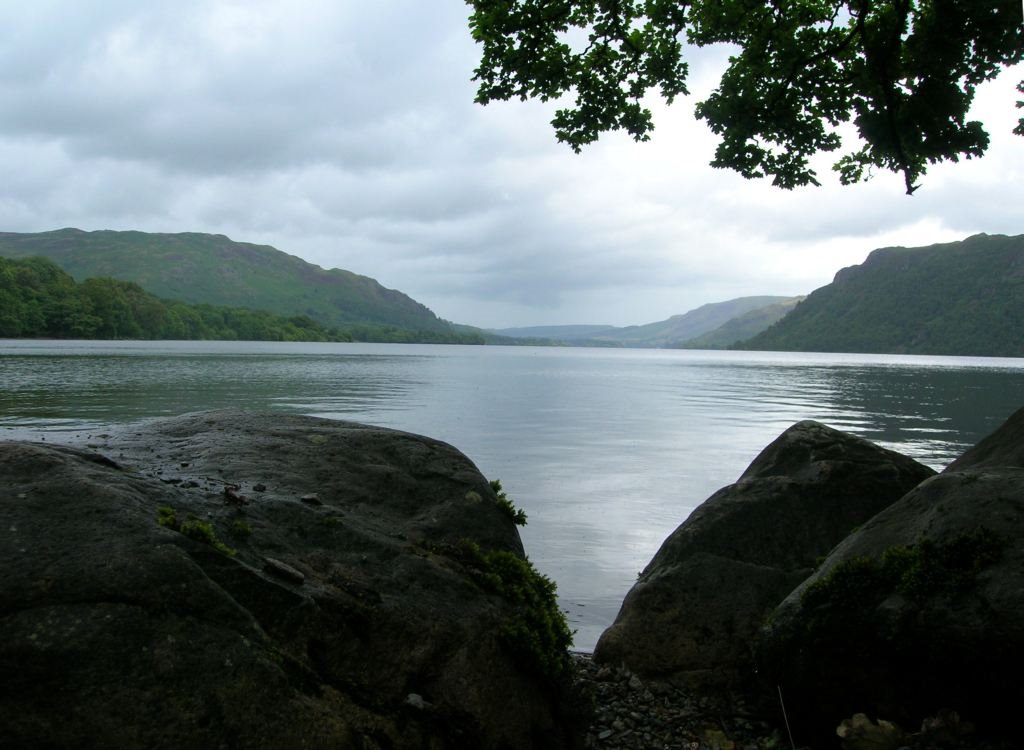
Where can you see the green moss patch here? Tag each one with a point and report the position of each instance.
(916, 571)
(193, 528)
(538, 631)
(841, 606)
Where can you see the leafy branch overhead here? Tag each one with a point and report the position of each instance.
(903, 72)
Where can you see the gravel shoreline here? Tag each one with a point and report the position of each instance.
(635, 714)
(630, 713)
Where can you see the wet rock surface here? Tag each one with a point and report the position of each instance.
(175, 586)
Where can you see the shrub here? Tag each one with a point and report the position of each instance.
(518, 515)
(537, 631)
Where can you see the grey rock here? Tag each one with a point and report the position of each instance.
(697, 607)
(416, 701)
(117, 631)
(1003, 448)
(948, 634)
(283, 570)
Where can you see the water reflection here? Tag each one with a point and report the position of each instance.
(607, 450)
(69, 393)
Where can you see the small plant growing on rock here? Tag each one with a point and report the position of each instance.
(167, 516)
(841, 604)
(916, 571)
(202, 531)
(518, 515)
(240, 529)
(538, 631)
(193, 528)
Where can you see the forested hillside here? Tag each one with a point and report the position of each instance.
(39, 300)
(212, 269)
(959, 298)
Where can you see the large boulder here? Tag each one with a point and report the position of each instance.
(261, 580)
(919, 610)
(696, 609)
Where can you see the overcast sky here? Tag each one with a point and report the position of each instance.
(345, 132)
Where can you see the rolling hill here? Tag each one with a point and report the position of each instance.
(742, 326)
(959, 298)
(673, 332)
(212, 269)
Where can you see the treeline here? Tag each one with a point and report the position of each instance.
(39, 300)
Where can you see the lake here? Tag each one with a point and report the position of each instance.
(607, 450)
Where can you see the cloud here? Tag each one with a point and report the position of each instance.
(345, 133)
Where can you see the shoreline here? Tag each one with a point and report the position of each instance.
(635, 714)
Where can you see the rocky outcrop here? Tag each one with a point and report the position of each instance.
(262, 580)
(919, 610)
(697, 607)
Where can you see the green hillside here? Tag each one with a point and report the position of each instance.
(212, 269)
(961, 298)
(742, 326)
(39, 300)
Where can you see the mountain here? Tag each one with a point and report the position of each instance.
(680, 328)
(959, 298)
(664, 333)
(212, 269)
(742, 326)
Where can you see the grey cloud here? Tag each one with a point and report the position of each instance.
(158, 85)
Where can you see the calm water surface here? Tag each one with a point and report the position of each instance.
(607, 450)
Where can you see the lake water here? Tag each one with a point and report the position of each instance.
(607, 450)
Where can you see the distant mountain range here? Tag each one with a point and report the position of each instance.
(716, 325)
(959, 298)
(212, 269)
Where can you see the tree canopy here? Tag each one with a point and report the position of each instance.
(904, 72)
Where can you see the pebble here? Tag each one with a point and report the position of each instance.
(633, 714)
(681, 720)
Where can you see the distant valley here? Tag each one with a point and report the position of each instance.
(712, 326)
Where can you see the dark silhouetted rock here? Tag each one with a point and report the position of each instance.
(919, 610)
(139, 611)
(697, 607)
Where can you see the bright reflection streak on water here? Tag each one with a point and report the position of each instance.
(607, 450)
